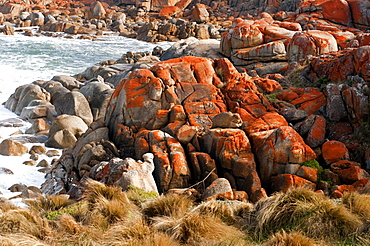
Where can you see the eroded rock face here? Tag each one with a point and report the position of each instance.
(201, 118)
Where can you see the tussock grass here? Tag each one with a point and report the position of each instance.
(137, 232)
(358, 204)
(19, 239)
(48, 203)
(24, 221)
(172, 205)
(196, 229)
(107, 216)
(95, 191)
(305, 210)
(106, 205)
(290, 239)
(230, 212)
(68, 224)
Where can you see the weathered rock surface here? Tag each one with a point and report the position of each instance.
(9, 147)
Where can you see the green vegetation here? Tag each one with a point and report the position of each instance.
(109, 216)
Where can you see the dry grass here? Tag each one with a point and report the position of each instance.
(171, 205)
(358, 204)
(24, 221)
(106, 205)
(108, 217)
(48, 203)
(305, 210)
(95, 191)
(18, 239)
(196, 229)
(290, 239)
(230, 212)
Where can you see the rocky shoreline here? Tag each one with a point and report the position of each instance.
(281, 101)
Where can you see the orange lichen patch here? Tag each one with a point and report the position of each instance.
(337, 194)
(287, 96)
(359, 11)
(274, 32)
(334, 151)
(316, 135)
(349, 172)
(310, 99)
(283, 182)
(168, 11)
(344, 38)
(268, 85)
(267, 121)
(363, 39)
(292, 26)
(226, 70)
(346, 188)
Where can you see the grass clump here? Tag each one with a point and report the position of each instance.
(24, 221)
(230, 212)
(197, 229)
(167, 205)
(48, 203)
(307, 211)
(290, 239)
(358, 204)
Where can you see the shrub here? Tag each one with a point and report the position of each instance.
(167, 205)
(305, 210)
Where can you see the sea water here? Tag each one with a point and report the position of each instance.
(26, 59)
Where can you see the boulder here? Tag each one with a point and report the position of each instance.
(335, 107)
(97, 94)
(283, 146)
(74, 103)
(283, 182)
(348, 171)
(7, 30)
(316, 135)
(309, 99)
(193, 47)
(65, 130)
(96, 11)
(334, 151)
(171, 167)
(360, 12)
(312, 42)
(37, 149)
(128, 172)
(24, 95)
(169, 11)
(38, 125)
(338, 66)
(219, 189)
(271, 51)
(9, 147)
(199, 13)
(37, 19)
(227, 120)
(68, 82)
